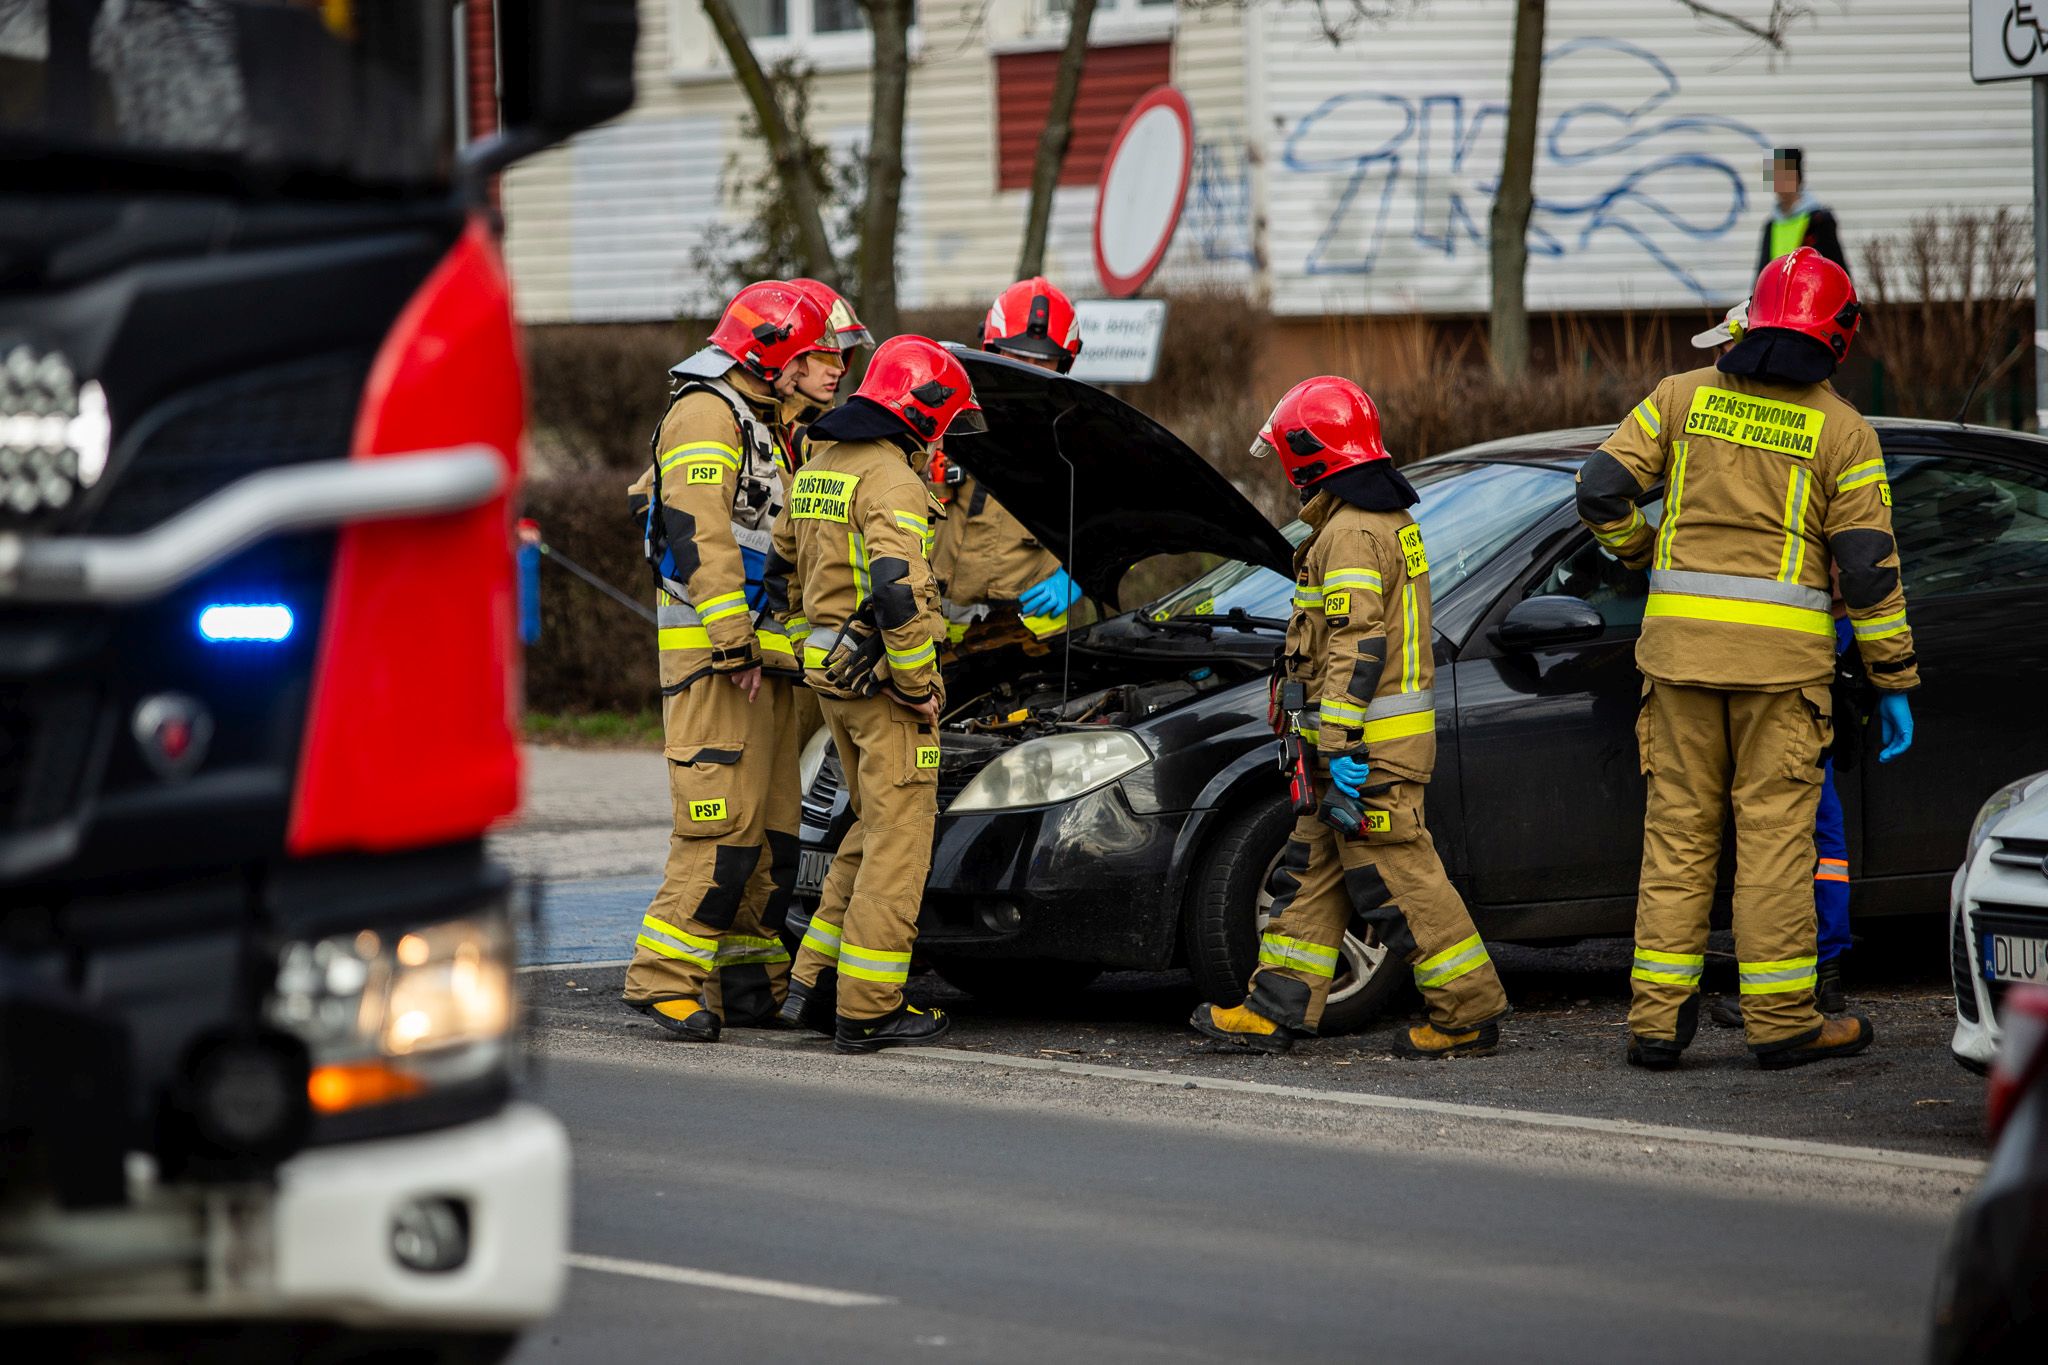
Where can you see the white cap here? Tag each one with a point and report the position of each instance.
(1730, 328)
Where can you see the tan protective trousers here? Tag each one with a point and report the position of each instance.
(1392, 878)
(1702, 750)
(866, 922)
(712, 931)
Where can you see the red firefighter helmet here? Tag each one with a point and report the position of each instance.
(1323, 425)
(848, 331)
(769, 324)
(1033, 319)
(924, 384)
(1807, 293)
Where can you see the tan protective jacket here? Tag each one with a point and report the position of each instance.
(723, 482)
(860, 525)
(983, 554)
(1764, 484)
(1360, 638)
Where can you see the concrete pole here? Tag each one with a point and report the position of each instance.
(2040, 84)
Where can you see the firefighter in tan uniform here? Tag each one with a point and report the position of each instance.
(1359, 646)
(1769, 476)
(706, 952)
(998, 584)
(854, 548)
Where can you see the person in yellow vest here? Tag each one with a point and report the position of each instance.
(852, 552)
(707, 507)
(1769, 479)
(1797, 218)
(998, 583)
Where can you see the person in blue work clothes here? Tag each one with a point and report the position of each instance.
(1830, 829)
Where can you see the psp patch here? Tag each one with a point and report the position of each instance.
(927, 755)
(1412, 551)
(1337, 604)
(705, 473)
(1379, 822)
(701, 811)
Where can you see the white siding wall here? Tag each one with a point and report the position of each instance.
(1653, 133)
(606, 227)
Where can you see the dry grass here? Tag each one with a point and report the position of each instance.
(1949, 301)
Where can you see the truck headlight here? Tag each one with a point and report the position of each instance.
(392, 1014)
(1992, 811)
(1040, 772)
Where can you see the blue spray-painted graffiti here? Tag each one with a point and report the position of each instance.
(1217, 215)
(1675, 182)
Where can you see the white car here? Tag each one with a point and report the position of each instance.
(1998, 913)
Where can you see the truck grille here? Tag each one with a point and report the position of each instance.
(46, 740)
(2031, 854)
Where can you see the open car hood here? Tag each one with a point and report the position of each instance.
(1137, 489)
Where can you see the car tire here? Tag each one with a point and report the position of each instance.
(1220, 928)
(1015, 980)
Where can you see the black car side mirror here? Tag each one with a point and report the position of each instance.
(1551, 620)
(564, 65)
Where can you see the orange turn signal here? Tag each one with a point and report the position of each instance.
(339, 1087)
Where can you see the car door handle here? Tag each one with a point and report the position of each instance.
(120, 569)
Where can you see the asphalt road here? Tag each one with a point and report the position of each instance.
(964, 1209)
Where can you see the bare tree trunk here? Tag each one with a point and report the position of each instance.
(881, 210)
(786, 150)
(1053, 142)
(1509, 326)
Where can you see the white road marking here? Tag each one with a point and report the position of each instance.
(575, 966)
(718, 1279)
(1705, 1137)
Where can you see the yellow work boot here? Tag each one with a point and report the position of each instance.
(1844, 1037)
(1241, 1026)
(1427, 1040)
(685, 1018)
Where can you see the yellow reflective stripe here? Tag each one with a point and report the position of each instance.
(1797, 490)
(1343, 712)
(700, 450)
(911, 521)
(1671, 969)
(683, 637)
(822, 938)
(668, 941)
(722, 606)
(775, 644)
(1774, 978)
(1353, 578)
(1411, 647)
(857, 556)
(874, 964)
(1399, 727)
(1880, 627)
(1682, 606)
(1647, 417)
(1620, 535)
(1453, 962)
(1856, 476)
(1298, 954)
(911, 658)
(739, 949)
(814, 657)
(1673, 495)
(1042, 626)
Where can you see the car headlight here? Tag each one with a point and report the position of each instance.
(388, 1015)
(1992, 811)
(1054, 768)
(812, 759)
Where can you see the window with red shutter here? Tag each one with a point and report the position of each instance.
(1113, 80)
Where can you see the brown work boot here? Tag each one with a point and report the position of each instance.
(1844, 1037)
(1427, 1040)
(1241, 1026)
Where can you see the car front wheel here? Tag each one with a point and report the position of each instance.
(1230, 900)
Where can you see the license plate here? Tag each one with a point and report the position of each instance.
(811, 867)
(2013, 957)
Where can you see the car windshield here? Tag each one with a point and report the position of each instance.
(266, 93)
(1468, 514)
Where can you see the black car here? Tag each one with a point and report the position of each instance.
(1116, 804)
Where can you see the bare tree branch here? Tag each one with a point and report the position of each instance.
(1770, 30)
(1055, 138)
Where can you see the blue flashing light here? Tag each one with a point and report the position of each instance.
(245, 622)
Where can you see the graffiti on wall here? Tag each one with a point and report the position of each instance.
(1217, 218)
(1668, 181)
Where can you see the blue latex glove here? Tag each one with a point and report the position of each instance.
(1349, 774)
(1895, 725)
(1050, 597)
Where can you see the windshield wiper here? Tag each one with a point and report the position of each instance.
(1237, 618)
